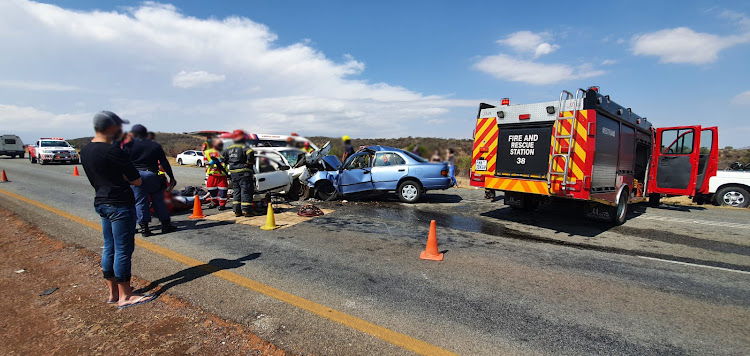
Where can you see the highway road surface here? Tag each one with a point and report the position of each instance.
(672, 280)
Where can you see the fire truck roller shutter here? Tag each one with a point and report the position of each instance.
(607, 149)
(627, 151)
(524, 149)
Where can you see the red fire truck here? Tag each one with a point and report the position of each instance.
(586, 147)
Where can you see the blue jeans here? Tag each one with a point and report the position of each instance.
(452, 173)
(118, 228)
(150, 188)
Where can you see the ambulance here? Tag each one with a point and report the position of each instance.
(586, 147)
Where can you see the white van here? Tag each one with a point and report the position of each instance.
(11, 145)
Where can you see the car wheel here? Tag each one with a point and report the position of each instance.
(619, 212)
(299, 191)
(733, 196)
(41, 161)
(179, 161)
(199, 163)
(325, 190)
(22, 155)
(409, 191)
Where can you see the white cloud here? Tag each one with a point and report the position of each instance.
(529, 42)
(127, 59)
(185, 79)
(742, 98)
(26, 120)
(608, 62)
(506, 67)
(683, 45)
(30, 85)
(522, 67)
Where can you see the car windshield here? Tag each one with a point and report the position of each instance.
(291, 156)
(55, 144)
(415, 157)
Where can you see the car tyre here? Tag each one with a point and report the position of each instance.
(409, 191)
(298, 191)
(179, 161)
(199, 163)
(619, 213)
(22, 155)
(41, 161)
(733, 196)
(325, 190)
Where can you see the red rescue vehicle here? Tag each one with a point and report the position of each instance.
(588, 148)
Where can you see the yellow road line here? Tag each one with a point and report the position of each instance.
(402, 340)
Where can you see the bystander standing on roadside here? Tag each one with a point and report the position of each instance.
(146, 156)
(450, 156)
(436, 156)
(348, 148)
(151, 136)
(111, 173)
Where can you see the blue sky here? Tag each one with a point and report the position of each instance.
(366, 69)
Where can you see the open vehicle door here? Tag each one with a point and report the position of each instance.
(675, 161)
(356, 175)
(271, 175)
(708, 161)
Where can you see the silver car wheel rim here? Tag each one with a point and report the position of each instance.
(409, 192)
(734, 198)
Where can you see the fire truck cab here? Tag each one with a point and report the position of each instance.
(586, 147)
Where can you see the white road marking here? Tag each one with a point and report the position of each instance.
(693, 264)
(694, 221)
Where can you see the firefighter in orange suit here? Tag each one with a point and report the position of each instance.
(216, 170)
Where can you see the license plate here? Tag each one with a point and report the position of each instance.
(480, 165)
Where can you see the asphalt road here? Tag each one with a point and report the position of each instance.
(671, 280)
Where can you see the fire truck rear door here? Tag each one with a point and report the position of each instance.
(675, 162)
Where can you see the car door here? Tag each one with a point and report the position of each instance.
(271, 175)
(388, 168)
(675, 161)
(356, 175)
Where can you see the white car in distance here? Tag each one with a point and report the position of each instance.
(191, 157)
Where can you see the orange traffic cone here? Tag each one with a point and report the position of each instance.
(197, 209)
(270, 219)
(3, 177)
(75, 171)
(431, 251)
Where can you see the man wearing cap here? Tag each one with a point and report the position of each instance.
(111, 173)
(146, 156)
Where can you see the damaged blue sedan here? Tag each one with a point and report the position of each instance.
(378, 169)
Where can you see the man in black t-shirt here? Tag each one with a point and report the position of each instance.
(110, 172)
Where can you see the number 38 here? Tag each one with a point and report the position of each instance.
(520, 160)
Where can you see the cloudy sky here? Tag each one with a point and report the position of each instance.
(365, 69)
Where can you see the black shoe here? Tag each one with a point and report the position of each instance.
(212, 206)
(167, 227)
(237, 213)
(222, 207)
(248, 214)
(145, 231)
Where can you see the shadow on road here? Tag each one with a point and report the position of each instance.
(193, 273)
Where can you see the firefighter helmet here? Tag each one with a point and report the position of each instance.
(239, 135)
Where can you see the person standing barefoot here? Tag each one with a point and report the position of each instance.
(111, 173)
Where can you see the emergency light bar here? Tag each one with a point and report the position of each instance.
(52, 138)
(505, 102)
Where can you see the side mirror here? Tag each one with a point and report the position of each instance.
(285, 168)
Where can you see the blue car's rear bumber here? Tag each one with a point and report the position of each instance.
(430, 175)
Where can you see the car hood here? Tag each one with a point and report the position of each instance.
(333, 161)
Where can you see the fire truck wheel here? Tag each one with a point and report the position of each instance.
(620, 211)
(737, 197)
(409, 191)
(654, 200)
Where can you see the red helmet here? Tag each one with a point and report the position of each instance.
(239, 135)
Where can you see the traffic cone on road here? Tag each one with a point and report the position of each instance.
(75, 171)
(270, 219)
(3, 177)
(431, 251)
(197, 209)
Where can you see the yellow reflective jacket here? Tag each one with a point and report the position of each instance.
(214, 160)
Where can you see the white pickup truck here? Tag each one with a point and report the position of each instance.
(53, 149)
(730, 188)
